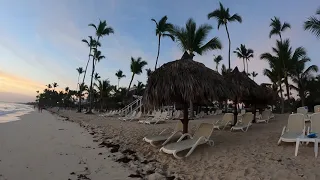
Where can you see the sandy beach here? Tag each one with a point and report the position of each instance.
(40, 147)
(236, 155)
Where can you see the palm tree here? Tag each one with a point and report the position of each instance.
(139, 88)
(136, 68)
(104, 87)
(97, 76)
(97, 57)
(92, 43)
(301, 77)
(192, 39)
(254, 74)
(163, 29)
(223, 16)
(66, 89)
(217, 60)
(49, 86)
(313, 24)
(54, 85)
(245, 54)
(101, 30)
(278, 27)
(120, 75)
(149, 72)
(287, 60)
(80, 71)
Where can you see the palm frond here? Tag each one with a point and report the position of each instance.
(313, 25)
(235, 17)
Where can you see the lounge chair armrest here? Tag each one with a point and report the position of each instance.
(183, 136)
(308, 130)
(164, 130)
(170, 137)
(283, 130)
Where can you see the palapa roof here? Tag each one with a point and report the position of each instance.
(182, 81)
(241, 84)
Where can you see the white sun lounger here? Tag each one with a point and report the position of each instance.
(156, 116)
(201, 136)
(265, 117)
(226, 119)
(161, 118)
(304, 111)
(175, 135)
(315, 124)
(294, 128)
(316, 108)
(244, 124)
(136, 117)
(129, 116)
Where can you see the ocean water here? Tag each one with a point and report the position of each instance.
(12, 111)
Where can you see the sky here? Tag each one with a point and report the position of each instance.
(40, 40)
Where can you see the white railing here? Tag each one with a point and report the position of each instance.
(135, 105)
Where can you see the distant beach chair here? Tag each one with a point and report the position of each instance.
(245, 123)
(315, 124)
(201, 136)
(200, 115)
(218, 112)
(304, 111)
(176, 134)
(129, 116)
(156, 116)
(161, 118)
(136, 117)
(177, 115)
(265, 117)
(294, 128)
(316, 108)
(226, 119)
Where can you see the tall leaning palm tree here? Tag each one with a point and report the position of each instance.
(92, 44)
(313, 24)
(80, 71)
(277, 27)
(223, 17)
(136, 68)
(163, 29)
(101, 30)
(97, 57)
(120, 75)
(217, 60)
(192, 38)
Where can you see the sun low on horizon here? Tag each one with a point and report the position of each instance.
(41, 41)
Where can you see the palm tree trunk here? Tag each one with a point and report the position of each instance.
(155, 67)
(280, 37)
(282, 101)
(118, 82)
(185, 120)
(244, 65)
(247, 66)
(229, 45)
(217, 67)
(191, 110)
(130, 82)
(84, 77)
(235, 111)
(91, 88)
(287, 87)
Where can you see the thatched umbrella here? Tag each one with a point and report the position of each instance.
(182, 81)
(242, 87)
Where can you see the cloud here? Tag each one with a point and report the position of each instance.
(17, 84)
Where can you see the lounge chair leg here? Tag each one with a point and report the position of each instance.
(176, 156)
(279, 142)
